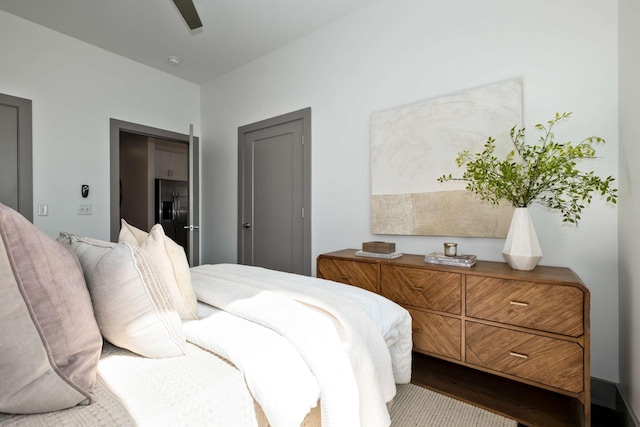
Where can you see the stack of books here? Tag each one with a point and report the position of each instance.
(391, 255)
(457, 260)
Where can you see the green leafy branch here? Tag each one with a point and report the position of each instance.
(543, 173)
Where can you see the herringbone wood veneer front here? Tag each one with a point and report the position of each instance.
(435, 290)
(435, 334)
(361, 274)
(538, 306)
(544, 360)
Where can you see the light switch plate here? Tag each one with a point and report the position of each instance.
(84, 209)
(43, 209)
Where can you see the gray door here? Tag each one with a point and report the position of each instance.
(16, 170)
(275, 193)
(194, 200)
(192, 228)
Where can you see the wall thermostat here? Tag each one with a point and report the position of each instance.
(85, 190)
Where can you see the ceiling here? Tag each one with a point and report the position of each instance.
(234, 32)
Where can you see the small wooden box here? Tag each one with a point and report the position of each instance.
(379, 247)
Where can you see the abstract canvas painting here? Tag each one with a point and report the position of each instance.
(413, 145)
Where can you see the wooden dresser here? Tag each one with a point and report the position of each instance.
(528, 326)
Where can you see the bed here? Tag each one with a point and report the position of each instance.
(241, 345)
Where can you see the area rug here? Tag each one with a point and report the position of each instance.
(416, 406)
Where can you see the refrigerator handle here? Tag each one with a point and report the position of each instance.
(174, 206)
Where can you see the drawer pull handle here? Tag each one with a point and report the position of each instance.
(518, 303)
(416, 288)
(344, 277)
(520, 355)
(420, 330)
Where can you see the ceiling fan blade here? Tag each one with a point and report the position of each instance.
(189, 13)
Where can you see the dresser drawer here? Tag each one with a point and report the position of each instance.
(361, 274)
(551, 308)
(544, 360)
(436, 334)
(435, 290)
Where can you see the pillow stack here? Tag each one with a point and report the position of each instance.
(49, 341)
(61, 298)
(131, 300)
(141, 289)
(171, 262)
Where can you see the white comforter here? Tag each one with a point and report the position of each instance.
(274, 371)
(356, 344)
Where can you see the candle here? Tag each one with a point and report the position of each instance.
(450, 249)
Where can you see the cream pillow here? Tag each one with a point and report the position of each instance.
(49, 340)
(171, 262)
(130, 299)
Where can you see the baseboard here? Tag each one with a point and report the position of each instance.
(627, 416)
(607, 394)
(604, 393)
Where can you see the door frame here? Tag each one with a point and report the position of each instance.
(305, 116)
(116, 126)
(25, 152)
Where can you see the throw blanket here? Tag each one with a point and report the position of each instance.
(278, 378)
(334, 333)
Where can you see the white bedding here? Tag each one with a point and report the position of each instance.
(197, 389)
(356, 343)
(361, 345)
(392, 320)
(275, 373)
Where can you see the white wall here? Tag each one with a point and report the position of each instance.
(396, 52)
(629, 204)
(76, 88)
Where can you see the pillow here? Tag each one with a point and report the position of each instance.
(132, 305)
(171, 262)
(49, 341)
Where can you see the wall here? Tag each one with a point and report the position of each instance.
(629, 204)
(76, 88)
(396, 52)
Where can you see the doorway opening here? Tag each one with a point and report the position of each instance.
(154, 180)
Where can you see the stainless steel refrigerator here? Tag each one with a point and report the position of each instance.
(172, 209)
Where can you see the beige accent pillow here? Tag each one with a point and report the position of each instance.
(171, 262)
(130, 299)
(50, 343)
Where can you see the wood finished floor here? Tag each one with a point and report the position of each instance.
(528, 405)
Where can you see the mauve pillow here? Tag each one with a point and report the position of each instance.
(131, 302)
(50, 343)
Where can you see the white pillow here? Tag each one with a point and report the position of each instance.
(171, 262)
(131, 302)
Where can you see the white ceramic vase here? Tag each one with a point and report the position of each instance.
(522, 250)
